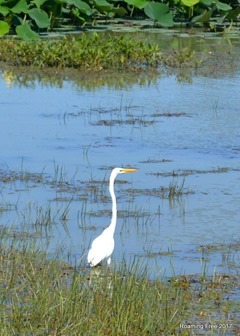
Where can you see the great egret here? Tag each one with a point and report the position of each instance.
(102, 247)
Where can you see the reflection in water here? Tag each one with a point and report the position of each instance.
(21, 77)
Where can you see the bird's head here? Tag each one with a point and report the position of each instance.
(117, 171)
(124, 170)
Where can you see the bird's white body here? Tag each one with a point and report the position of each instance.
(102, 247)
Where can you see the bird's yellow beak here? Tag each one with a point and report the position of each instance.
(128, 170)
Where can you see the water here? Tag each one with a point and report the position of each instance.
(78, 134)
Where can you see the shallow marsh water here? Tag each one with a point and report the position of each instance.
(174, 132)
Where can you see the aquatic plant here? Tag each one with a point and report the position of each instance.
(27, 18)
(89, 52)
(92, 52)
(176, 189)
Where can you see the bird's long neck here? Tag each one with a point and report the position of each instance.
(112, 226)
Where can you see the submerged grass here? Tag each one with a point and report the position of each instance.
(175, 189)
(43, 296)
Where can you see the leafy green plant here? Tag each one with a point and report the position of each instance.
(88, 52)
(4, 28)
(159, 12)
(201, 11)
(24, 16)
(28, 18)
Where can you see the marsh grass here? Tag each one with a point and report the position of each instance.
(187, 172)
(43, 296)
(23, 176)
(175, 189)
(88, 52)
(93, 52)
(60, 182)
(40, 296)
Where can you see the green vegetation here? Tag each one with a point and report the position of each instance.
(42, 296)
(91, 52)
(28, 18)
(88, 52)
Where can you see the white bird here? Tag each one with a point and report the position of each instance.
(102, 247)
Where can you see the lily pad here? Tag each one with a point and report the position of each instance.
(137, 3)
(159, 12)
(233, 14)
(40, 17)
(38, 3)
(20, 7)
(207, 2)
(190, 3)
(81, 5)
(205, 17)
(26, 33)
(223, 6)
(103, 4)
(4, 28)
(4, 10)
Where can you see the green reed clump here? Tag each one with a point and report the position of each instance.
(93, 52)
(89, 51)
(176, 189)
